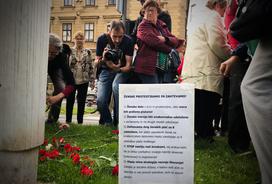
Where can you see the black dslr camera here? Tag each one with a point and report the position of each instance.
(113, 55)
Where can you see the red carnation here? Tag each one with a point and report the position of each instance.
(53, 154)
(76, 158)
(75, 148)
(115, 132)
(45, 142)
(61, 140)
(54, 140)
(115, 170)
(86, 170)
(42, 158)
(68, 148)
(42, 152)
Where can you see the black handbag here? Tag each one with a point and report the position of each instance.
(253, 19)
(173, 60)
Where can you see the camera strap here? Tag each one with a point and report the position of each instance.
(110, 41)
(112, 46)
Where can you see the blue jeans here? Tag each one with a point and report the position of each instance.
(104, 90)
(148, 79)
(120, 78)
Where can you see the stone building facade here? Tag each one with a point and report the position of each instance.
(93, 17)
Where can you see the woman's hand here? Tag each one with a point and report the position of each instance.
(162, 38)
(226, 66)
(54, 99)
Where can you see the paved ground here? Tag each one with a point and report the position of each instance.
(88, 119)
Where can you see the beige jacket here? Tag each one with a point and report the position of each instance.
(206, 49)
(81, 65)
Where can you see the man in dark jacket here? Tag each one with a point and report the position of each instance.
(114, 70)
(60, 75)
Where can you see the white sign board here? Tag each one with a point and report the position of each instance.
(156, 137)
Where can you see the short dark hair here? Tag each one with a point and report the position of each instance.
(117, 25)
(152, 3)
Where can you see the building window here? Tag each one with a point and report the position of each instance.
(111, 2)
(66, 32)
(89, 32)
(90, 2)
(68, 2)
(108, 26)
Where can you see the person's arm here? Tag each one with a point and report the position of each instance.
(54, 99)
(69, 81)
(147, 35)
(128, 53)
(91, 69)
(171, 39)
(111, 65)
(226, 66)
(216, 37)
(100, 47)
(238, 54)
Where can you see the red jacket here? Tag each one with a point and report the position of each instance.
(230, 15)
(150, 45)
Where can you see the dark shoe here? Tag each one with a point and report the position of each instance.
(258, 182)
(240, 151)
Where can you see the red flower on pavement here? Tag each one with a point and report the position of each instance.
(76, 158)
(86, 170)
(115, 170)
(115, 132)
(68, 148)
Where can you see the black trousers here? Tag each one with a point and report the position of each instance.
(238, 137)
(54, 112)
(206, 104)
(81, 99)
(225, 105)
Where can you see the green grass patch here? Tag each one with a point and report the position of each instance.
(214, 163)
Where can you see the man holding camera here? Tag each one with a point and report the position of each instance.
(114, 51)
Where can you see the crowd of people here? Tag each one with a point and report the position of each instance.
(225, 72)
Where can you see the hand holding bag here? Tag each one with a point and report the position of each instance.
(253, 19)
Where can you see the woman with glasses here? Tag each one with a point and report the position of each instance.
(154, 37)
(80, 62)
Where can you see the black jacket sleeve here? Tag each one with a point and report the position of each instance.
(241, 52)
